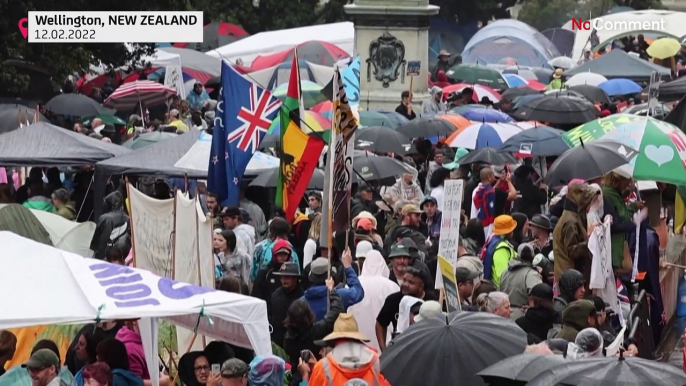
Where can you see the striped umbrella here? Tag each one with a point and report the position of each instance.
(479, 135)
(514, 80)
(129, 95)
(480, 91)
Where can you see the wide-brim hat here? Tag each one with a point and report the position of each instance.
(503, 225)
(443, 53)
(345, 327)
(540, 221)
(557, 74)
(288, 269)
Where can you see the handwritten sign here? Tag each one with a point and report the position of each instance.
(152, 226)
(450, 224)
(413, 67)
(173, 77)
(449, 284)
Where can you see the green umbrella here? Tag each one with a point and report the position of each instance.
(106, 119)
(371, 118)
(598, 128)
(146, 139)
(475, 74)
(311, 93)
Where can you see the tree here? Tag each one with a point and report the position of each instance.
(468, 11)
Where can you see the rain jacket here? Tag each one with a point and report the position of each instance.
(621, 222)
(435, 227)
(348, 361)
(67, 211)
(40, 203)
(377, 287)
(496, 257)
(134, 347)
(257, 219)
(237, 263)
(575, 319)
(569, 282)
(519, 278)
(536, 322)
(555, 84)
(112, 228)
(316, 296)
(266, 282)
(125, 378)
(18, 376)
(403, 191)
(263, 257)
(246, 233)
(570, 242)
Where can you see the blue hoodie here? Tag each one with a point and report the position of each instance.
(119, 378)
(317, 295)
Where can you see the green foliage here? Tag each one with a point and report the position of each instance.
(467, 11)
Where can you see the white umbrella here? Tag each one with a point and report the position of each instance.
(480, 135)
(589, 78)
(563, 62)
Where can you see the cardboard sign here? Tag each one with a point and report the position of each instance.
(447, 272)
(450, 224)
(173, 77)
(413, 67)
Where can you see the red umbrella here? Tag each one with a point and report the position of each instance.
(535, 85)
(322, 107)
(216, 35)
(149, 93)
(314, 51)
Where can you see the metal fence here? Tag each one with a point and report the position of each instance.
(639, 326)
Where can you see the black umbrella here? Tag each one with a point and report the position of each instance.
(564, 93)
(540, 141)
(270, 179)
(214, 82)
(592, 93)
(512, 93)
(374, 168)
(519, 369)
(450, 350)
(270, 141)
(382, 139)
(76, 104)
(13, 116)
(487, 155)
(524, 99)
(588, 161)
(426, 127)
(558, 110)
(603, 371)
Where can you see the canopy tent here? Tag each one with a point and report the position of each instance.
(619, 64)
(19, 220)
(105, 291)
(195, 60)
(162, 59)
(562, 39)
(526, 47)
(265, 43)
(665, 22)
(43, 144)
(270, 78)
(672, 90)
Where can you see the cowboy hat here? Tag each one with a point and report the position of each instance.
(345, 327)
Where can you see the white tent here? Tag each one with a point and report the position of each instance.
(265, 43)
(44, 285)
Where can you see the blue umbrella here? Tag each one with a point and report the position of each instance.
(620, 86)
(540, 141)
(486, 115)
(514, 80)
(160, 72)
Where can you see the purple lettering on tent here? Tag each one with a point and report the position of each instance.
(167, 289)
(121, 280)
(109, 270)
(138, 303)
(129, 292)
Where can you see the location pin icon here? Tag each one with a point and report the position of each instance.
(24, 30)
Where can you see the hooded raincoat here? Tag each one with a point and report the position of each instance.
(519, 278)
(113, 227)
(570, 241)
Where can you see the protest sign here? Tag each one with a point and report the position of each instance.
(451, 296)
(450, 223)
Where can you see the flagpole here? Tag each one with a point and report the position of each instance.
(330, 164)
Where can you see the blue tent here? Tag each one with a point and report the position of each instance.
(526, 47)
(562, 39)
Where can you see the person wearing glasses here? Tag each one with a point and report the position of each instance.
(43, 367)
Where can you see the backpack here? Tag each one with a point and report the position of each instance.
(376, 371)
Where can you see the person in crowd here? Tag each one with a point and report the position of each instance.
(486, 197)
(93, 333)
(443, 64)
(300, 231)
(316, 294)
(540, 227)
(532, 194)
(364, 201)
(267, 282)
(266, 370)
(197, 96)
(473, 238)
(113, 353)
(586, 58)
(377, 287)
(570, 240)
(314, 202)
(588, 344)
(35, 176)
(176, 122)
(417, 259)
(18, 375)
(278, 230)
(231, 283)
(434, 105)
(571, 287)
(464, 278)
(556, 83)
(361, 250)
(61, 201)
(97, 374)
(483, 287)
(350, 362)
(228, 258)
(43, 367)
(539, 314)
(400, 260)
(437, 183)
(413, 284)
(195, 370)
(131, 337)
(310, 248)
(213, 209)
(406, 188)
(234, 372)
(578, 315)
(519, 279)
(521, 233)
(112, 228)
(435, 164)
(37, 198)
(405, 106)
(468, 96)
(85, 350)
(256, 214)
(54, 180)
(290, 291)
(432, 217)
(365, 230)
(615, 190)
(302, 328)
(428, 310)
(495, 302)
(408, 227)
(472, 183)
(6, 195)
(8, 346)
(498, 251)
(232, 219)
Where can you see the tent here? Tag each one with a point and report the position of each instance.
(265, 43)
(68, 289)
(43, 144)
(562, 39)
(19, 220)
(271, 77)
(619, 64)
(526, 46)
(672, 90)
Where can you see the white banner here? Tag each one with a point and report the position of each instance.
(450, 224)
(152, 225)
(173, 77)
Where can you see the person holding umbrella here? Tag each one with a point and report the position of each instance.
(434, 105)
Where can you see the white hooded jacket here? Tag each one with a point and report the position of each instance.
(246, 234)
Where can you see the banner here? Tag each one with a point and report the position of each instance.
(152, 224)
(450, 224)
(447, 272)
(173, 77)
(351, 82)
(343, 127)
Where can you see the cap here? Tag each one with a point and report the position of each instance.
(319, 270)
(498, 170)
(282, 246)
(599, 303)
(288, 269)
(542, 290)
(411, 208)
(399, 250)
(463, 274)
(234, 368)
(365, 224)
(230, 211)
(41, 359)
(362, 248)
(174, 112)
(428, 310)
(428, 199)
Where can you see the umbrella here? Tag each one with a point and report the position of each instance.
(585, 78)
(480, 91)
(323, 107)
(75, 104)
(215, 35)
(486, 115)
(106, 119)
(564, 92)
(456, 119)
(480, 135)
(311, 93)
(374, 168)
(382, 139)
(488, 155)
(620, 86)
(539, 141)
(520, 368)
(129, 95)
(313, 122)
(146, 139)
(600, 371)
(474, 74)
(535, 85)
(460, 109)
(514, 80)
(558, 110)
(313, 51)
(426, 127)
(270, 140)
(450, 350)
(14, 116)
(592, 93)
(381, 118)
(598, 127)
(535, 73)
(562, 62)
(589, 161)
(664, 48)
(512, 93)
(524, 99)
(270, 179)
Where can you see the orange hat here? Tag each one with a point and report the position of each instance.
(503, 225)
(366, 224)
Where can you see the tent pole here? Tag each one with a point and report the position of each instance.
(173, 248)
(133, 238)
